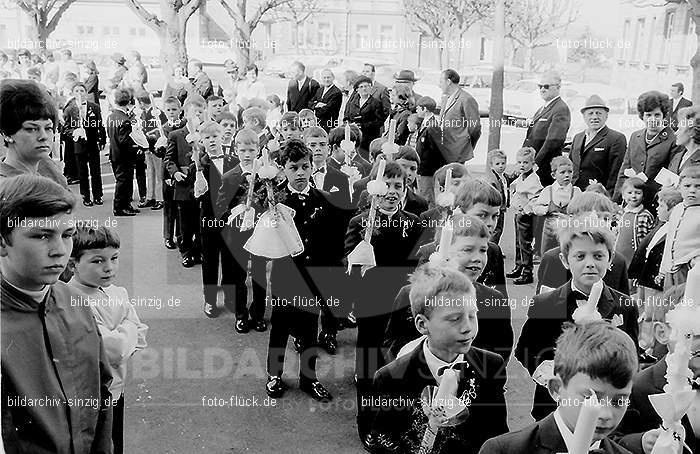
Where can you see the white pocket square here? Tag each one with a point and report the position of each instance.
(599, 149)
(543, 119)
(334, 189)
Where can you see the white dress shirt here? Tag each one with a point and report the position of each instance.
(319, 175)
(567, 434)
(435, 363)
(304, 191)
(300, 83)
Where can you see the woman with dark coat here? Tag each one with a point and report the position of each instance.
(402, 105)
(92, 83)
(365, 111)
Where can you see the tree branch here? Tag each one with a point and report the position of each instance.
(53, 22)
(188, 9)
(150, 19)
(264, 7)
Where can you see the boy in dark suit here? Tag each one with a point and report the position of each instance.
(255, 119)
(586, 249)
(233, 192)
(552, 273)
(209, 166)
(444, 310)
(122, 152)
(433, 217)
(496, 162)
(338, 156)
(375, 149)
(229, 124)
(85, 116)
(641, 425)
(151, 121)
(293, 279)
(178, 157)
(590, 358)
(394, 238)
(335, 183)
(171, 229)
(468, 255)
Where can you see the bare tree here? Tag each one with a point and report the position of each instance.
(694, 11)
(244, 24)
(430, 16)
(465, 13)
(535, 23)
(496, 103)
(40, 13)
(171, 29)
(296, 12)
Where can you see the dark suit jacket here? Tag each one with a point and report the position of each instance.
(428, 148)
(648, 159)
(358, 161)
(552, 273)
(122, 148)
(546, 134)
(546, 315)
(673, 116)
(495, 329)
(646, 269)
(675, 164)
(178, 157)
(209, 214)
(327, 115)
(150, 128)
(641, 416)
(406, 378)
(600, 159)
(542, 437)
(202, 85)
(232, 192)
(298, 100)
(461, 127)
(92, 86)
(402, 132)
(167, 129)
(413, 203)
(336, 184)
(368, 118)
(94, 130)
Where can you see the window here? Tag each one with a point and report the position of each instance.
(89, 30)
(142, 31)
(106, 30)
(650, 41)
(361, 36)
(386, 35)
(324, 35)
(132, 31)
(638, 46)
(81, 30)
(115, 30)
(625, 38)
(669, 23)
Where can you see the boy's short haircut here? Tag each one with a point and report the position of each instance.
(337, 135)
(78, 84)
(290, 119)
(275, 100)
(466, 225)
(87, 237)
(31, 196)
(586, 227)
(375, 147)
(214, 98)
(493, 154)
(294, 150)
(477, 191)
(597, 349)
(633, 182)
(304, 113)
(256, 114)
(427, 103)
(587, 202)
(458, 171)
(259, 102)
(247, 136)
(314, 131)
(226, 115)
(210, 127)
(195, 100)
(667, 302)
(408, 153)
(690, 172)
(430, 281)
(559, 161)
(172, 100)
(597, 187)
(526, 152)
(123, 97)
(670, 196)
(391, 170)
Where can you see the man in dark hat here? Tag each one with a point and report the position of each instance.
(408, 77)
(597, 151)
(118, 72)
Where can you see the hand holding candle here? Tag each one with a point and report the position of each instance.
(588, 312)
(585, 425)
(347, 145)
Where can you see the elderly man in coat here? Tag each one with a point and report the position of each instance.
(459, 120)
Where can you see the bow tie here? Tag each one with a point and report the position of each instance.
(299, 195)
(441, 370)
(320, 170)
(216, 157)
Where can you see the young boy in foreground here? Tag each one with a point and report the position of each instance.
(590, 358)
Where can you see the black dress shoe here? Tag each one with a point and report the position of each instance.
(157, 206)
(259, 325)
(187, 262)
(298, 345)
(98, 201)
(242, 326)
(170, 244)
(524, 279)
(124, 213)
(87, 202)
(197, 259)
(210, 310)
(328, 342)
(132, 210)
(515, 272)
(316, 390)
(73, 180)
(275, 387)
(146, 203)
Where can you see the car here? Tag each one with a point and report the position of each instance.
(476, 80)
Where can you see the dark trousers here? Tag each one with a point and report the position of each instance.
(523, 241)
(237, 268)
(538, 230)
(369, 358)
(118, 425)
(140, 169)
(70, 164)
(188, 219)
(89, 171)
(333, 283)
(170, 226)
(214, 251)
(124, 184)
(498, 231)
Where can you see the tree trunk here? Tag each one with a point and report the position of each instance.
(241, 46)
(528, 59)
(441, 54)
(296, 36)
(173, 48)
(695, 61)
(496, 103)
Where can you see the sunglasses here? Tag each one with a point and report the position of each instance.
(546, 86)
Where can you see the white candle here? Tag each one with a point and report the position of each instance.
(585, 425)
(265, 157)
(448, 180)
(392, 131)
(446, 238)
(447, 388)
(380, 170)
(596, 291)
(347, 131)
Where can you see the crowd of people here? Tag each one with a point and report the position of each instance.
(358, 207)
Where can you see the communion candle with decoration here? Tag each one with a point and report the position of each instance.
(585, 425)
(446, 238)
(392, 131)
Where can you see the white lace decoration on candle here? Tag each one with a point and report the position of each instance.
(588, 312)
(630, 173)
